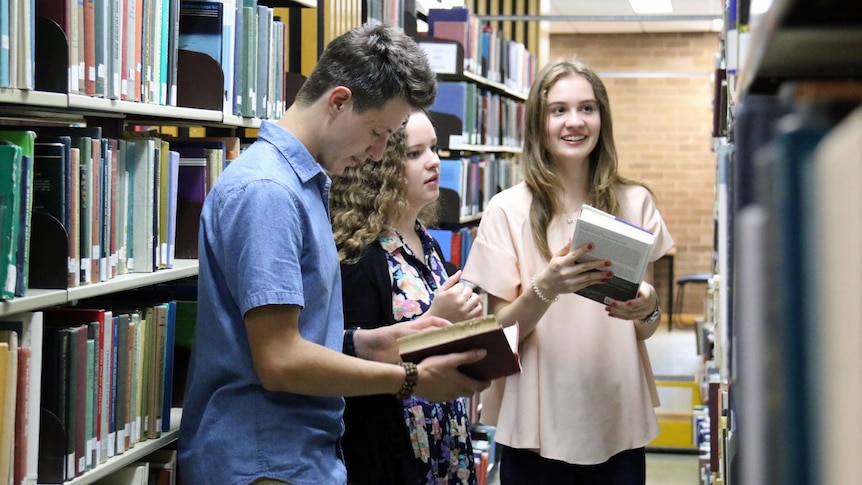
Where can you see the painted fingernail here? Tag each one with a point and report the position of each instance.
(610, 274)
(590, 246)
(607, 263)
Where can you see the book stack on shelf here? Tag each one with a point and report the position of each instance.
(227, 56)
(95, 202)
(478, 116)
(101, 206)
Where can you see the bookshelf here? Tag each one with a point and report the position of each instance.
(37, 298)
(140, 451)
(786, 404)
(44, 94)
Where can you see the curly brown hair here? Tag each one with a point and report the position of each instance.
(364, 201)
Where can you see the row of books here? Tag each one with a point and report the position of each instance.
(487, 52)
(157, 468)
(17, 29)
(455, 244)
(484, 451)
(107, 206)
(793, 179)
(130, 50)
(80, 386)
(475, 179)
(487, 117)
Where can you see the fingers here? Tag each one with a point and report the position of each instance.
(565, 249)
(451, 281)
(427, 321)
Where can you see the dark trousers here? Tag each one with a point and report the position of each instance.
(524, 467)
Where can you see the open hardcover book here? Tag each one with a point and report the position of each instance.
(626, 245)
(483, 332)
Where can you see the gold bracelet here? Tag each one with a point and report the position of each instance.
(411, 378)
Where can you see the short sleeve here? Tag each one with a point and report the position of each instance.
(263, 252)
(639, 206)
(492, 263)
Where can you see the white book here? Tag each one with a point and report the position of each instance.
(835, 189)
(628, 247)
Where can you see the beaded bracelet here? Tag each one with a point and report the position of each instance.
(411, 378)
(542, 295)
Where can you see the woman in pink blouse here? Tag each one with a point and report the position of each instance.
(582, 409)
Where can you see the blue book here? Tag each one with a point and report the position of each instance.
(457, 14)
(444, 239)
(453, 176)
(200, 28)
(173, 184)
(453, 98)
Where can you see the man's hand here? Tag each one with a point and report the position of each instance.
(381, 344)
(440, 380)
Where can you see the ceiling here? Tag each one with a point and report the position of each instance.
(595, 16)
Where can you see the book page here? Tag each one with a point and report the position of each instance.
(629, 257)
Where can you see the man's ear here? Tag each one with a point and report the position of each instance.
(339, 98)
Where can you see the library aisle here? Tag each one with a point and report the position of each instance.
(671, 353)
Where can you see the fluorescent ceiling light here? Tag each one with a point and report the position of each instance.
(651, 6)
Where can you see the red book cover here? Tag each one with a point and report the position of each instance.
(139, 25)
(21, 417)
(90, 47)
(455, 250)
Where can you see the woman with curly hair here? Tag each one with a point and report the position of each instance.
(581, 410)
(392, 271)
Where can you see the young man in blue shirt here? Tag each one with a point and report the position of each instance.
(263, 397)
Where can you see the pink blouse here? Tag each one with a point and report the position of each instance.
(586, 391)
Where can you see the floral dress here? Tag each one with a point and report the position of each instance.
(439, 432)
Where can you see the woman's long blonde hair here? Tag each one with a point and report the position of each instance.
(365, 201)
(541, 173)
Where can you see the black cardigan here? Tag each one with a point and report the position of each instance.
(376, 444)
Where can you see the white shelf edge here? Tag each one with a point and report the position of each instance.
(40, 99)
(182, 268)
(239, 121)
(484, 148)
(498, 86)
(113, 106)
(33, 300)
(140, 450)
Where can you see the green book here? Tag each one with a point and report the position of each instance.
(24, 139)
(10, 206)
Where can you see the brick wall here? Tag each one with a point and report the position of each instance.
(661, 99)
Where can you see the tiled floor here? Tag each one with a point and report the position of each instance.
(671, 353)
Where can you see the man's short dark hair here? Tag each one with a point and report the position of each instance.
(377, 63)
